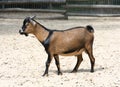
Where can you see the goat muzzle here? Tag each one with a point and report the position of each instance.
(23, 33)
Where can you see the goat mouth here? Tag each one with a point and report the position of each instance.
(23, 33)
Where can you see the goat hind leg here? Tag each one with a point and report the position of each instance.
(92, 59)
(79, 60)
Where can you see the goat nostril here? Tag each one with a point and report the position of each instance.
(20, 31)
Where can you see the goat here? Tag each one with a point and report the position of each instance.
(70, 42)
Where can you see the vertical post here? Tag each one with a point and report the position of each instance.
(66, 10)
(108, 2)
(3, 6)
(50, 5)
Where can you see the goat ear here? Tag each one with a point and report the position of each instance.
(33, 22)
(33, 17)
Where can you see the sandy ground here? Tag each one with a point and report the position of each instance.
(22, 59)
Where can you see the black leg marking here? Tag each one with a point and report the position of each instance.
(57, 64)
(47, 65)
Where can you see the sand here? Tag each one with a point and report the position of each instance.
(22, 59)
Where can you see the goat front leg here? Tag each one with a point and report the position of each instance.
(57, 64)
(47, 65)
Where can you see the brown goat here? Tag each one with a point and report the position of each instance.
(62, 42)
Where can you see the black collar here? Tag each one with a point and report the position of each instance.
(47, 40)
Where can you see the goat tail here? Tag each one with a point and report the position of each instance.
(90, 28)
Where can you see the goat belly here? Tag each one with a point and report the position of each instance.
(72, 52)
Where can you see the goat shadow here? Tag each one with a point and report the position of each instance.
(88, 70)
(80, 70)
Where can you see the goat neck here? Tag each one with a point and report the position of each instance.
(41, 33)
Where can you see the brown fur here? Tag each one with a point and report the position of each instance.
(71, 42)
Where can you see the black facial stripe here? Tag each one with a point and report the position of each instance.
(27, 20)
(23, 27)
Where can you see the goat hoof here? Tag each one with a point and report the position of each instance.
(59, 73)
(92, 71)
(74, 71)
(45, 74)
